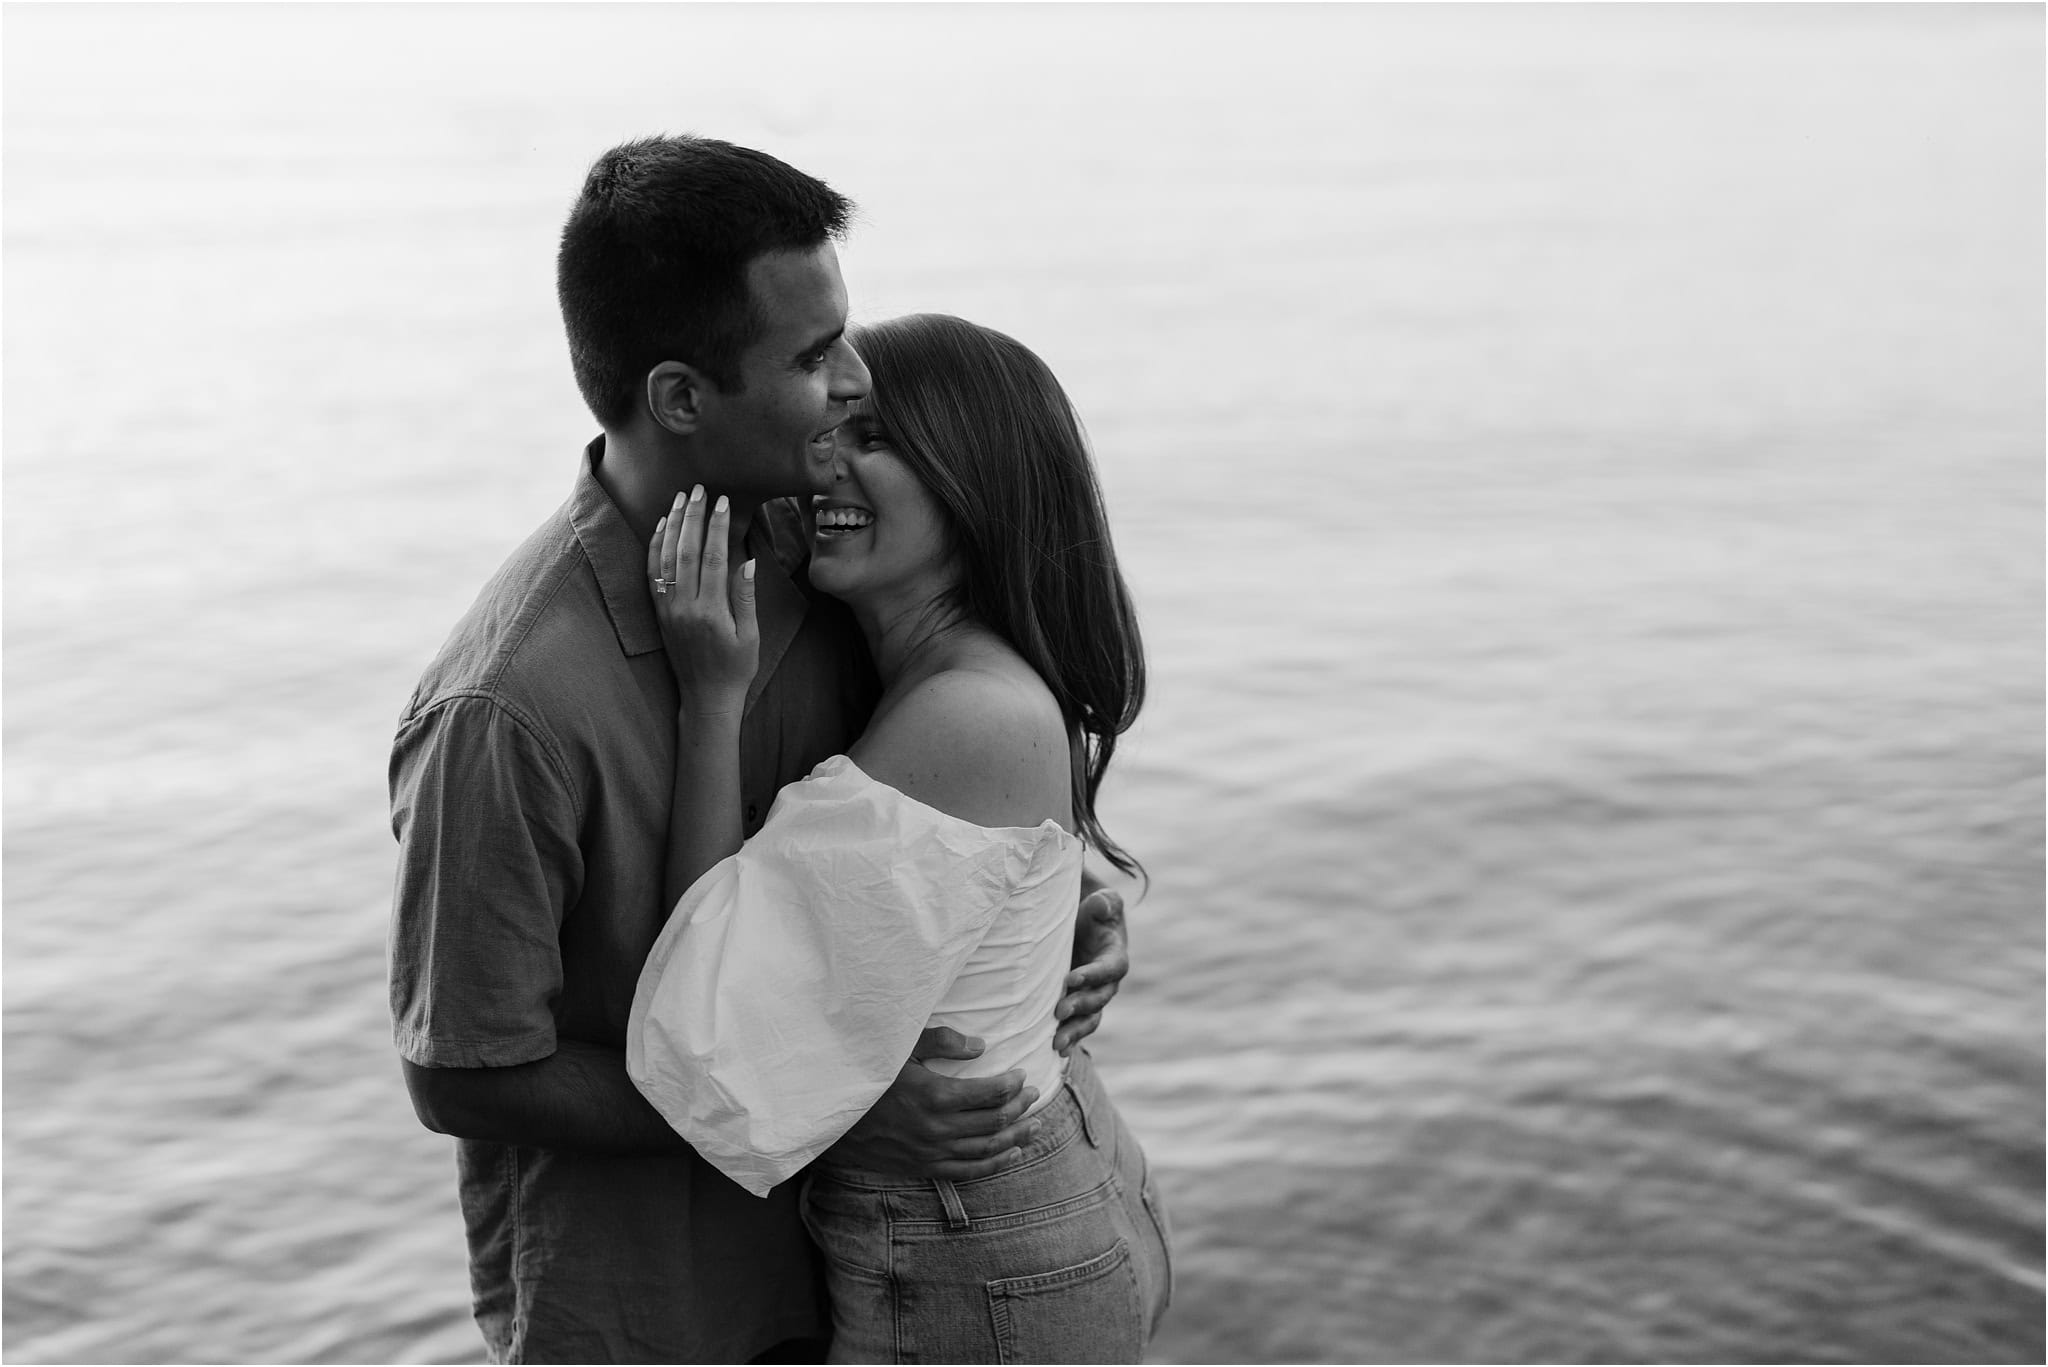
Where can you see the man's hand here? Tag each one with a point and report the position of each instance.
(1102, 956)
(927, 1123)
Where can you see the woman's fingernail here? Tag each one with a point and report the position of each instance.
(663, 522)
(697, 494)
(747, 570)
(719, 506)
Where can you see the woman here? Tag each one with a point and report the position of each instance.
(927, 877)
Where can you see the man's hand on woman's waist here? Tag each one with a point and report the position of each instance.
(958, 1128)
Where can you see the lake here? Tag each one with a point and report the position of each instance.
(1580, 469)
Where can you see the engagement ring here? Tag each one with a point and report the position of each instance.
(664, 585)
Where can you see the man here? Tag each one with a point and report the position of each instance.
(531, 779)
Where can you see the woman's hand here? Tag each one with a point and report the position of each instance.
(705, 610)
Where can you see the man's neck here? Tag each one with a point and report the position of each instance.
(643, 479)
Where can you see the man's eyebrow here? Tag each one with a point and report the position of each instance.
(823, 343)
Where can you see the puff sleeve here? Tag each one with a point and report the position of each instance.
(792, 980)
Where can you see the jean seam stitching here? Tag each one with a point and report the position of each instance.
(893, 1285)
(1051, 1213)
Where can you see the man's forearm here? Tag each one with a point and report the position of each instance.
(579, 1097)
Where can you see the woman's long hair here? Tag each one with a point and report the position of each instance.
(984, 425)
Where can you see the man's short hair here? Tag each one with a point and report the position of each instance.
(653, 265)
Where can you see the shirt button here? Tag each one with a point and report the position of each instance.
(753, 813)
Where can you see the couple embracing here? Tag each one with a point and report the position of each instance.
(741, 934)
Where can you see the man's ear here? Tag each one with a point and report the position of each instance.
(675, 395)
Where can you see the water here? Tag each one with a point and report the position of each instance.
(1581, 473)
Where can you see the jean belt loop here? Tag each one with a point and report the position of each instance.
(949, 1197)
(1081, 1105)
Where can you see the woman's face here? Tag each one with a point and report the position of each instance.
(880, 535)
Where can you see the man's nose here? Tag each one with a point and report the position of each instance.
(849, 374)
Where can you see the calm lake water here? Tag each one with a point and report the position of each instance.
(1581, 470)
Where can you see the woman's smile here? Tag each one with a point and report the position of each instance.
(837, 520)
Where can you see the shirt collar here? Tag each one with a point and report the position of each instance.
(778, 542)
(615, 556)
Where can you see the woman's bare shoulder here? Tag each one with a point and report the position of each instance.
(981, 741)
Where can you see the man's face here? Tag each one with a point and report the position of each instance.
(774, 437)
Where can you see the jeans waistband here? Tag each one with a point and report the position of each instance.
(1072, 1110)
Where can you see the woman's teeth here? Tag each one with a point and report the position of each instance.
(842, 519)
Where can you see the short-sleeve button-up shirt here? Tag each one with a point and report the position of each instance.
(530, 788)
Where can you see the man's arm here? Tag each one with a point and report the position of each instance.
(1102, 956)
(578, 1097)
(963, 1128)
(488, 861)
(927, 1123)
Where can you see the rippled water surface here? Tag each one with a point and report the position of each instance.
(1581, 471)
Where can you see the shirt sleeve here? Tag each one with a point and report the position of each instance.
(791, 983)
(488, 862)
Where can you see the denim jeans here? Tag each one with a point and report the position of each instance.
(1061, 1257)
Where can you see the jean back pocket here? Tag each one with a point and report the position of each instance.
(1090, 1312)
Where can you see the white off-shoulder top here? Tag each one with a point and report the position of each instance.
(794, 977)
